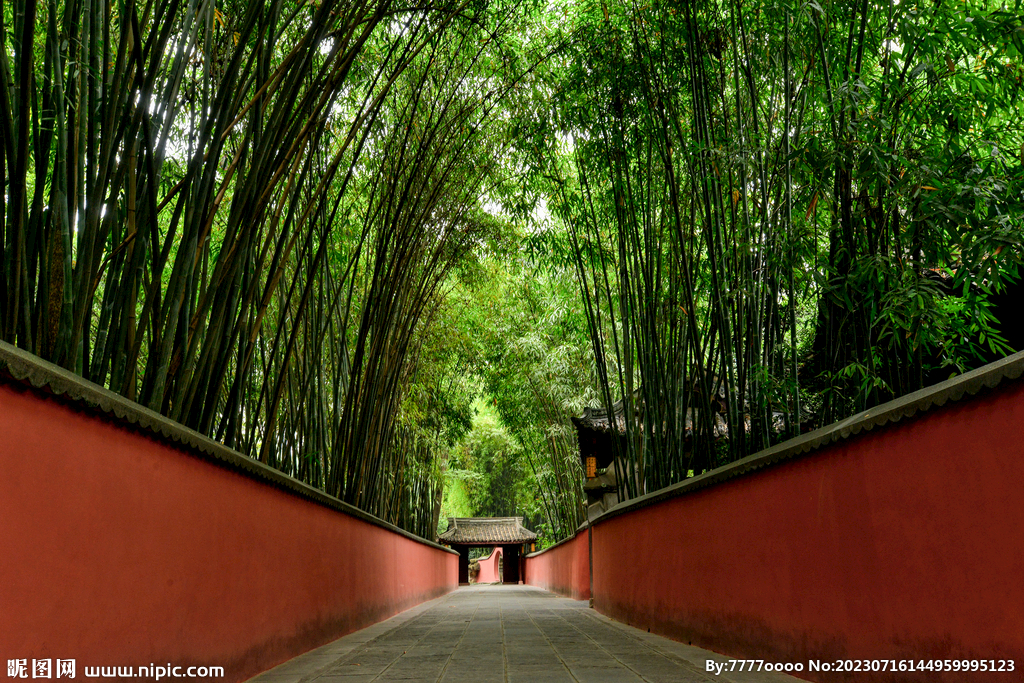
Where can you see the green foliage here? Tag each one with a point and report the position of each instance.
(276, 222)
(525, 356)
(489, 465)
(808, 206)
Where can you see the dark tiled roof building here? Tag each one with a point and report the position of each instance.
(509, 533)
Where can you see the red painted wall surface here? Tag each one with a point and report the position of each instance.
(562, 569)
(119, 550)
(905, 542)
(489, 567)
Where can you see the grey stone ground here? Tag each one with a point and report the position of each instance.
(506, 634)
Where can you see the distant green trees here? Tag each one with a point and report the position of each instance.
(528, 362)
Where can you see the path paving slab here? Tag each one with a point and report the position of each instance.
(505, 634)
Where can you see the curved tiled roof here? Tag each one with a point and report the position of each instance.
(487, 530)
(599, 419)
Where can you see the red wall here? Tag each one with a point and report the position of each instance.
(489, 567)
(117, 548)
(562, 569)
(905, 542)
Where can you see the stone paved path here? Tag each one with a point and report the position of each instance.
(504, 634)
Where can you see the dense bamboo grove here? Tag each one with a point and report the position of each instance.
(801, 209)
(316, 231)
(239, 214)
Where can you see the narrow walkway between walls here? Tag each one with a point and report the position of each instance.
(506, 634)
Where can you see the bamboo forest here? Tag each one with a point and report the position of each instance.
(392, 248)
